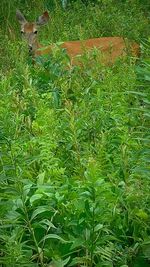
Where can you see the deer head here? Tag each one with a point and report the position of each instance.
(29, 30)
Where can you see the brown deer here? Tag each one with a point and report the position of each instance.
(111, 47)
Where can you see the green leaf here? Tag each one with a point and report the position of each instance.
(77, 243)
(13, 215)
(26, 189)
(48, 223)
(77, 260)
(61, 263)
(54, 236)
(40, 179)
(98, 227)
(35, 197)
(38, 211)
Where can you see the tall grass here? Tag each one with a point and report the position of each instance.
(74, 143)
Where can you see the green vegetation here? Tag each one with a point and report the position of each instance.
(74, 143)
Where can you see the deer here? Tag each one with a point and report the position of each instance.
(111, 48)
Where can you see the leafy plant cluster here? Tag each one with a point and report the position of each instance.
(74, 142)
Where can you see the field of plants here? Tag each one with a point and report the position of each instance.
(75, 142)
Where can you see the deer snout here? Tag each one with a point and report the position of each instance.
(30, 49)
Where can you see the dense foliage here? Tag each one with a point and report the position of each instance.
(74, 143)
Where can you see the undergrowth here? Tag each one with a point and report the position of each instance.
(74, 143)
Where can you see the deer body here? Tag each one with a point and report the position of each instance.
(110, 47)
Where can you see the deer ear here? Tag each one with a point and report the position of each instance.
(20, 17)
(43, 19)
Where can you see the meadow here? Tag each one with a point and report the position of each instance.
(75, 142)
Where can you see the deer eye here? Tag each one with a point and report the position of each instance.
(22, 32)
(35, 32)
